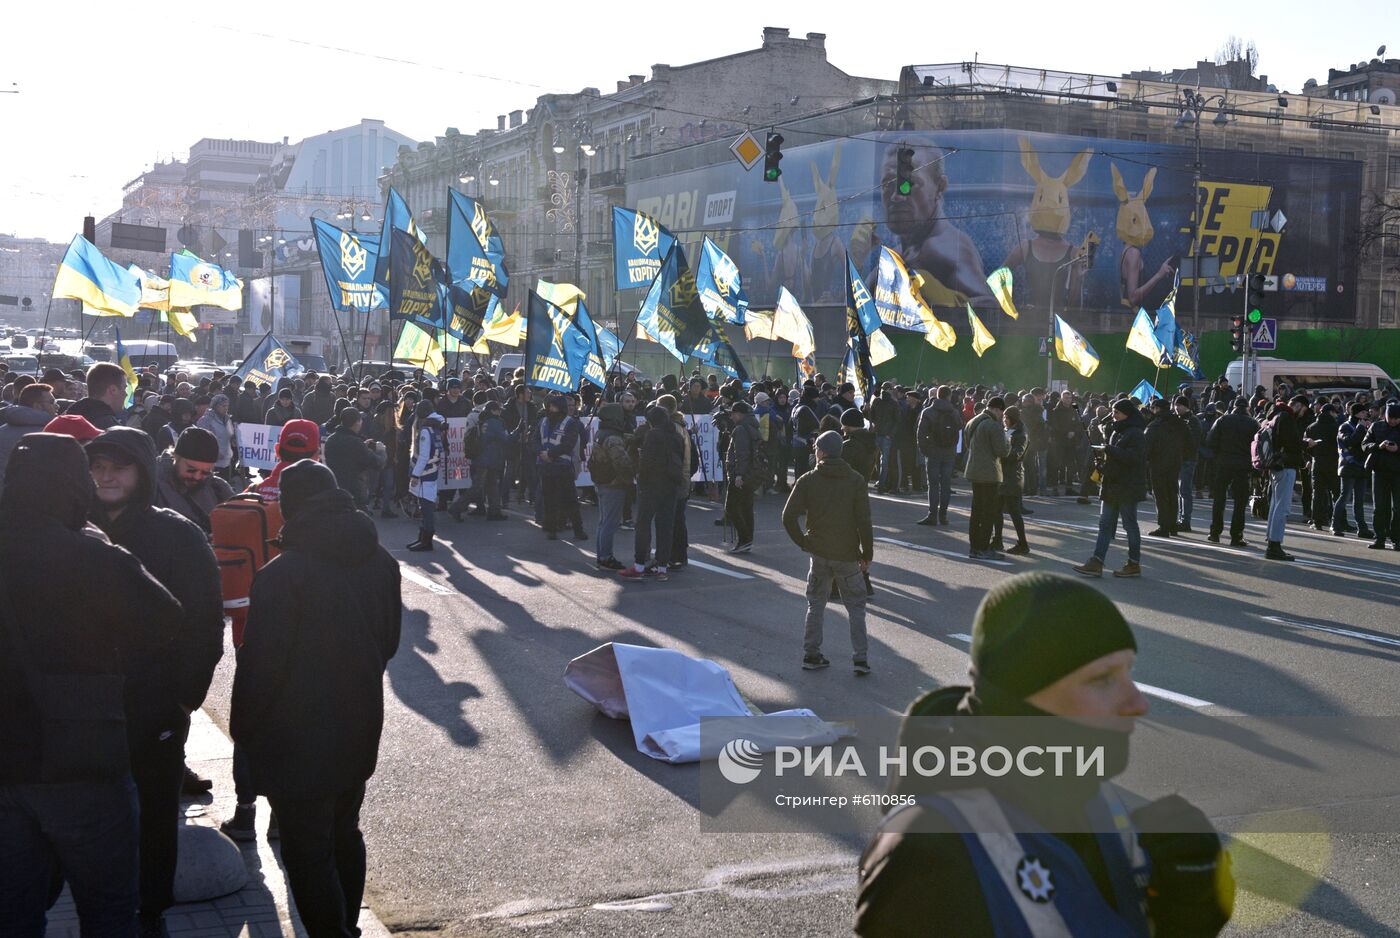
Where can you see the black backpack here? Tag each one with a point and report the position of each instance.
(601, 464)
(758, 458)
(945, 428)
(471, 441)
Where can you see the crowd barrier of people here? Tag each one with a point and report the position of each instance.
(113, 501)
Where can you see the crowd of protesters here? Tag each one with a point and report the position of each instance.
(127, 481)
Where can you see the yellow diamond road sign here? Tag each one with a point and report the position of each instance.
(747, 150)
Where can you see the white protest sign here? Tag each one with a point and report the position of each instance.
(456, 471)
(257, 445)
(703, 432)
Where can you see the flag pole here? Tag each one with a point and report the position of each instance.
(364, 343)
(335, 313)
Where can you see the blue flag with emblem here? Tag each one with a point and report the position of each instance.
(595, 364)
(416, 291)
(860, 298)
(466, 310)
(857, 366)
(640, 246)
(268, 362)
(1186, 356)
(609, 345)
(556, 350)
(397, 217)
(671, 312)
(475, 251)
(721, 288)
(348, 259)
(717, 351)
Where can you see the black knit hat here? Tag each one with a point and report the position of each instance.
(1035, 628)
(850, 417)
(198, 444)
(301, 480)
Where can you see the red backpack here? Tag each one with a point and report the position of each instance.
(244, 529)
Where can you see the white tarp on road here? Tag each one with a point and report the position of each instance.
(666, 694)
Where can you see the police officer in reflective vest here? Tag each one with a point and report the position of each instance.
(1050, 854)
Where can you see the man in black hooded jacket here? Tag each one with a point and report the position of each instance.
(163, 688)
(72, 600)
(308, 695)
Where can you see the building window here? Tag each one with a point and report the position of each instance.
(1391, 240)
(1142, 137)
(1295, 151)
(1245, 147)
(1346, 154)
(1393, 168)
(1387, 308)
(1275, 117)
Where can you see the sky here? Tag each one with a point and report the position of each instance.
(114, 87)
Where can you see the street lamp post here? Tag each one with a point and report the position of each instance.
(1193, 104)
(583, 132)
(1050, 340)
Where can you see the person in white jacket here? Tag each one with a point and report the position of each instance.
(423, 476)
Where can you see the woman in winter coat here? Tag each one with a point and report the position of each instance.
(1124, 485)
(1013, 478)
(780, 440)
(426, 456)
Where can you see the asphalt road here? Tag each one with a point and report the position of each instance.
(504, 804)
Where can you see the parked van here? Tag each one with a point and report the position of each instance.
(1313, 377)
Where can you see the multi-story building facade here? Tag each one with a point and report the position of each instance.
(550, 176)
(1373, 82)
(27, 270)
(248, 205)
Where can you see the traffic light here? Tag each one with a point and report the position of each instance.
(905, 171)
(1237, 334)
(772, 156)
(1254, 299)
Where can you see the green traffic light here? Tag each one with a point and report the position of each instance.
(1255, 316)
(771, 175)
(905, 187)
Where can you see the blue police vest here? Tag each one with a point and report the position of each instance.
(1034, 884)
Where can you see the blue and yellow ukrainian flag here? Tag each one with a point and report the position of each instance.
(1074, 350)
(124, 360)
(106, 288)
(196, 282)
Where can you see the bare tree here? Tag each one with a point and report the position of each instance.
(1240, 58)
(1378, 234)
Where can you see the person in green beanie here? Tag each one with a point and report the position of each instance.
(1048, 853)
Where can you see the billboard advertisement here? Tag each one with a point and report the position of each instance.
(984, 199)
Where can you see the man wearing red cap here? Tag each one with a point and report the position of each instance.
(79, 428)
(300, 439)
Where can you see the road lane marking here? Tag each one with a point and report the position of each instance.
(947, 553)
(428, 583)
(718, 569)
(1186, 700)
(1348, 633)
